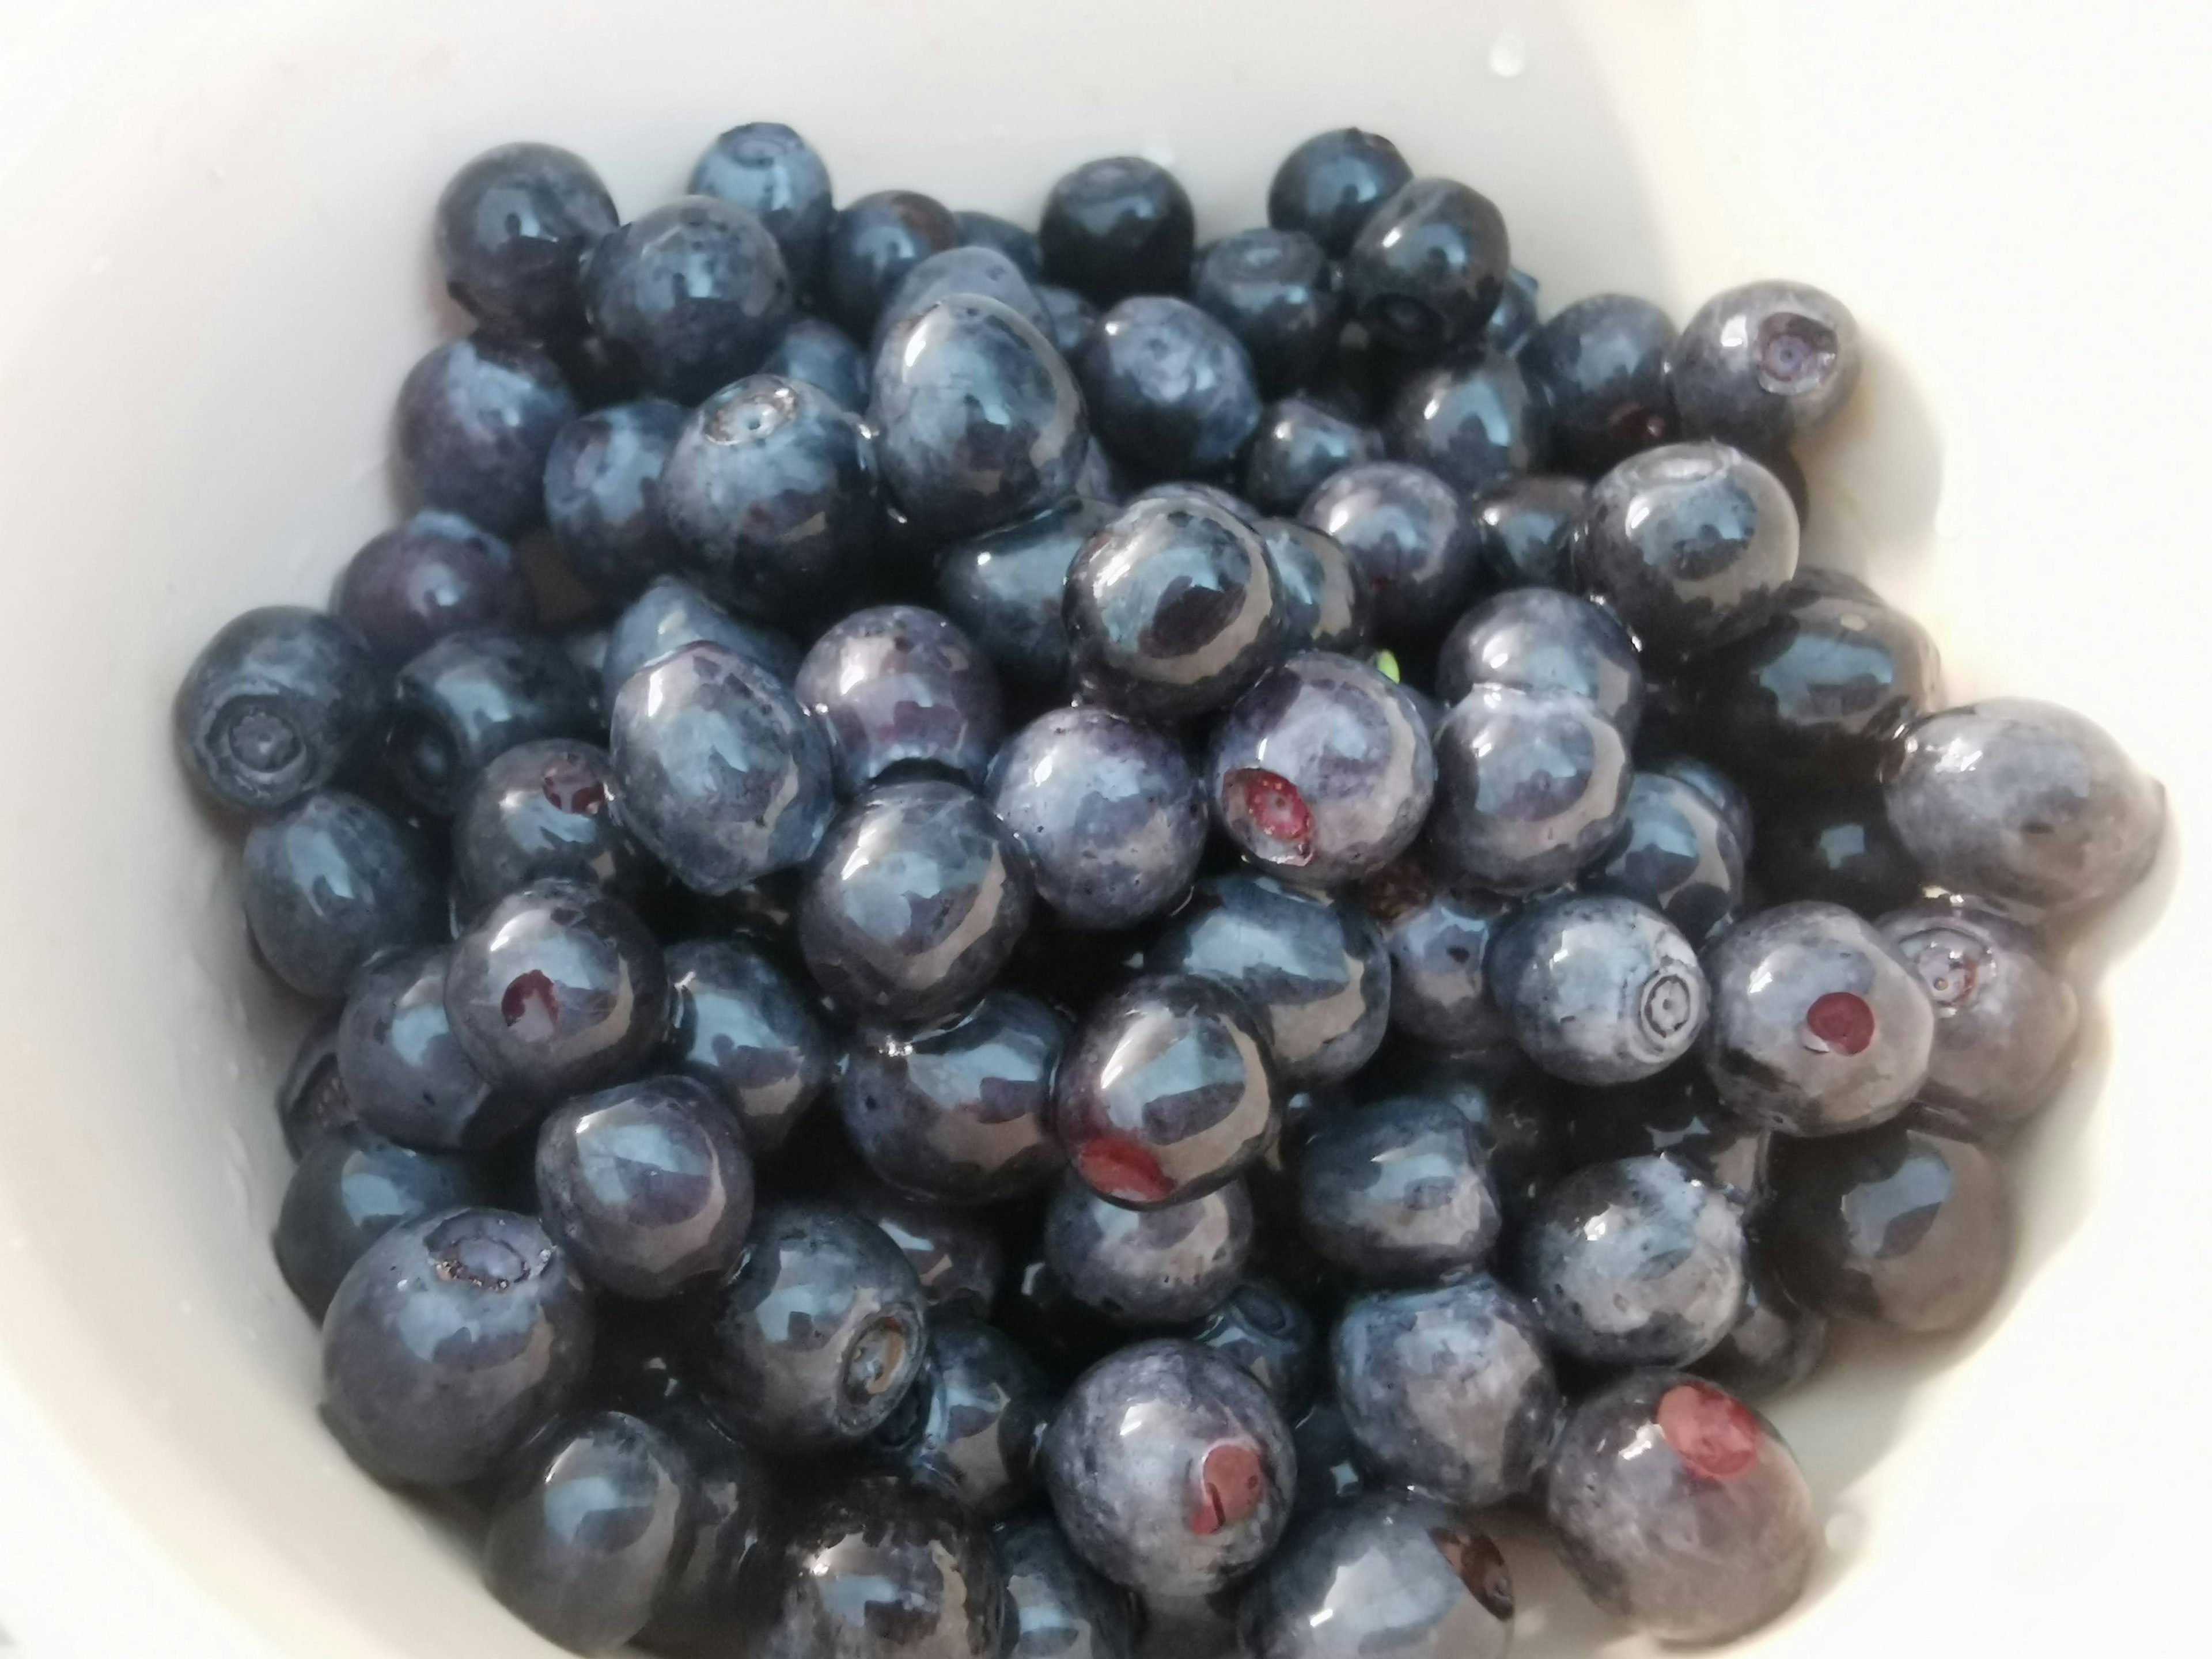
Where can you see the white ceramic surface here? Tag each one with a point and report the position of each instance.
(214, 271)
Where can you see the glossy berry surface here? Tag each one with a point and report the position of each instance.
(1762, 365)
(816, 350)
(603, 495)
(1003, 236)
(1531, 786)
(1678, 855)
(1514, 319)
(693, 292)
(738, 1024)
(541, 811)
(1536, 639)
(672, 614)
(1818, 1025)
(1679, 1509)
(1330, 185)
(1438, 937)
(963, 270)
(1678, 1115)
(1524, 531)
(1774, 1344)
(1166, 1265)
(514, 227)
(1834, 846)
(1476, 424)
(1171, 390)
(772, 173)
(1325, 603)
(968, 1427)
(1118, 227)
(1007, 588)
(475, 420)
(1056, 1607)
(1397, 1193)
(1323, 772)
(873, 243)
(469, 699)
(896, 687)
(720, 1581)
(331, 884)
(954, 1253)
(876, 1569)
(403, 1069)
(279, 703)
(1601, 368)
(1299, 446)
(436, 575)
(351, 1187)
(1448, 1388)
(1428, 266)
(1277, 293)
(914, 902)
(1409, 536)
(1266, 1333)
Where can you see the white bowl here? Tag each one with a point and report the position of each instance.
(216, 271)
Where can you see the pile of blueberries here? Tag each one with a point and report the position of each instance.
(1180, 916)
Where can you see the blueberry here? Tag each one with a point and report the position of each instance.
(559, 988)
(695, 292)
(1325, 603)
(1678, 855)
(876, 1570)
(1168, 1091)
(1003, 236)
(818, 352)
(672, 614)
(2005, 1016)
(1330, 185)
(1524, 531)
(2025, 804)
(1692, 544)
(1774, 1345)
(1314, 969)
(1537, 638)
(1170, 1471)
(954, 1253)
(1600, 366)
(1818, 1024)
(352, 1186)
(1321, 773)
(514, 227)
(969, 270)
(1265, 1333)
(1007, 586)
(977, 418)
(1410, 538)
(646, 1185)
(718, 769)
(1149, 1269)
(279, 704)
(1172, 609)
(477, 419)
(469, 699)
(1509, 1108)
(450, 1344)
(968, 1427)
(1397, 1193)
(1056, 1607)
(331, 884)
(1075, 319)
(1676, 1113)
(1898, 1226)
(1721, 792)
(603, 495)
(311, 1099)
(1170, 389)
(1448, 1388)
(1428, 267)
(433, 575)
(737, 1024)
(961, 1114)
(543, 810)
(1764, 364)
(1475, 423)
(772, 173)
(898, 688)
(1598, 989)
(1437, 937)
(403, 1069)
(1385, 1577)
(814, 1338)
(1109, 812)
(1328, 1459)
(1118, 227)
(1184, 489)
(1531, 787)
(1679, 1509)
(873, 243)
(586, 1537)
(1279, 293)
(1299, 446)
(1835, 847)
(915, 899)
(720, 1583)
(1514, 319)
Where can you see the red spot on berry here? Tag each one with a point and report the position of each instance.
(1842, 1021)
(1272, 805)
(530, 994)
(574, 788)
(1715, 1435)
(1232, 1486)
(1121, 1169)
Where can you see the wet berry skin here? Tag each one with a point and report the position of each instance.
(721, 1579)
(897, 687)
(2005, 1017)
(695, 291)
(718, 770)
(816, 350)
(954, 1253)
(1193, 1499)
(475, 420)
(1692, 544)
(2025, 804)
(1679, 855)
(1325, 602)
(469, 699)
(331, 884)
(559, 988)
(1678, 1115)
(1117, 226)
(876, 1568)
(1003, 236)
(351, 1187)
(1171, 609)
(914, 901)
(1438, 938)
(404, 1070)
(1328, 1459)
(1277, 293)
(1056, 1607)
(1148, 1269)
(740, 1026)
(1299, 446)
(963, 269)
(968, 1427)
(1330, 185)
(1410, 538)
(451, 1343)
(1476, 424)
(1835, 847)
(1109, 811)
(772, 173)
(1397, 1193)
(280, 703)
(1638, 1263)
(646, 1185)
(1720, 790)
(1168, 1091)
(1387, 1576)
(1428, 266)
(1262, 1329)
(815, 1338)
(1323, 772)
(1774, 1345)
(1538, 640)
(1600, 366)
(1314, 969)
(1679, 1509)
(1762, 365)
(603, 495)
(1171, 390)
(1908, 1228)
(1007, 588)
(963, 1114)
(1532, 786)
(1524, 531)
(873, 243)
(514, 227)
(542, 811)
(311, 1099)
(1818, 1027)
(1074, 321)
(436, 575)
(672, 614)
(1447, 1388)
